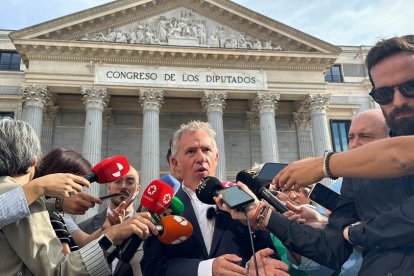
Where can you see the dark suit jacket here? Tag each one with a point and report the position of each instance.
(91, 225)
(230, 237)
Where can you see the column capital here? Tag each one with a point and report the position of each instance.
(151, 98)
(50, 114)
(107, 113)
(35, 95)
(266, 101)
(317, 102)
(302, 120)
(95, 97)
(214, 100)
(253, 119)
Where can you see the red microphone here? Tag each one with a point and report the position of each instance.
(176, 229)
(227, 184)
(109, 169)
(157, 196)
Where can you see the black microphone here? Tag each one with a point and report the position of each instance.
(126, 251)
(260, 190)
(211, 187)
(208, 189)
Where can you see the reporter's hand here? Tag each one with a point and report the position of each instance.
(299, 174)
(228, 264)
(235, 214)
(266, 265)
(139, 224)
(307, 215)
(116, 215)
(54, 185)
(78, 204)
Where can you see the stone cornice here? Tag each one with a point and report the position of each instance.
(171, 56)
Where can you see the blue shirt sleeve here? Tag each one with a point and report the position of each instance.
(13, 206)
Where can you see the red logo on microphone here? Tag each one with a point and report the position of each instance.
(120, 168)
(152, 190)
(166, 199)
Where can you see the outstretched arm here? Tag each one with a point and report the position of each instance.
(387, 158)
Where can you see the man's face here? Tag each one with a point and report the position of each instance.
(365, 129)
(196, 158)
(392, 71)
(129, 183)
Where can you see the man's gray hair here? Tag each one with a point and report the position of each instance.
(190, 127)
(19, 147)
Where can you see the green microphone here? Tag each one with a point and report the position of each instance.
(176, 208)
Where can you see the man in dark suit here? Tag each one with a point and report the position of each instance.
(219, 245)
(130, 184)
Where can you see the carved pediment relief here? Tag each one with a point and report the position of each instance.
(182, 27)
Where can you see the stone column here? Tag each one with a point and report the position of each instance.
(266, 104)
(252, 118)
(151, 101)
(317, 105)
(48, 126)
(94, 100)
(213, 103)
(34, 99)
(304, 131)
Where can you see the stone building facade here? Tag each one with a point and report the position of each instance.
(121, 77)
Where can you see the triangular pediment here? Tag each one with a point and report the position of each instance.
(181, 27)
(137, 25)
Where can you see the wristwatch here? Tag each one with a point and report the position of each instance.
(107, 245)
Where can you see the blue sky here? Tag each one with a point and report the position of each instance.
(340, 22)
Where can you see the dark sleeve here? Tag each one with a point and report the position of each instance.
(156, 261)
(387, 230)
(325, 246)
(59, 227)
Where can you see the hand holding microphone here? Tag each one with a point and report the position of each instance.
(157, 198)
(260, 190)
(108, 170)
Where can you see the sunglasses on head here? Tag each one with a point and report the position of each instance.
(385, 95)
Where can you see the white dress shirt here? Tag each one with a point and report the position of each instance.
(206, 227)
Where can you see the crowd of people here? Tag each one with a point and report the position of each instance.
(368, 232)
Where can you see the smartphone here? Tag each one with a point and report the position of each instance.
(269, 171)
(324, 196)
(235, 197)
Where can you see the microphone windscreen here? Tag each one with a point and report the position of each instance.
(248, 179)
(208, 189)
(157, 196)
(111, 169)
(176, 229)
(176, 206)
(172, 181)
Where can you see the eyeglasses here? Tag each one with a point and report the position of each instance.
(129, 181)
(385, 95)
